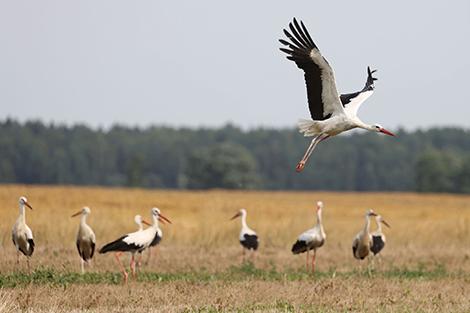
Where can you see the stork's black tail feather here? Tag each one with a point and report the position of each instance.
(116, 245)
(299, 247)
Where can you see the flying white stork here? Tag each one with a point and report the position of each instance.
(331, 112)
(363, 240)
(311, 239)
(248, 237)
(86, 239)
(378, 237)
(135, 242)
(22, 235)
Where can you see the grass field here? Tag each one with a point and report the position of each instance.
(425, 266)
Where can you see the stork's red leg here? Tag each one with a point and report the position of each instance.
(149, 255)
(139, 261)
(123, 270)
(306, 264)
(300, 166)
(133, 265)
(313, 260)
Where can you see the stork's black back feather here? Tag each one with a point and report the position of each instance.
(377, 244)
(347, 97)
(299, 246)
(156, 240)
(119, 245)
(250, 242)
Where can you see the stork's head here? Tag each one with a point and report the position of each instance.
(139, 221)
(242, 212)
(379, 129)
(319, 205)
(380, 219)
(85, 211)
(23, 201)
(156, 213)
(371, 213)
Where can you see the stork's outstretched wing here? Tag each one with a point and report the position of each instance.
(323, 97)
(352, 101)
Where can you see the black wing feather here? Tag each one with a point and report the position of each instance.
(346, 98)
(156, 240)
(119, 245)
(79, 251)
(299, 51)
(92, 249)
(377, 244)
(31, 247)
(299, 246)
(250, 242)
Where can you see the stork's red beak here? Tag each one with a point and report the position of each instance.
(163, 219)
(77, 214)
(236, 215)
(27, 204)
(386, 224)
(386, 132)
(146, 223)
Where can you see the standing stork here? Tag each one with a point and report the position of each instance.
(134, 242)
(86, 239)
(363, 240)
(378, 237)
(22, 235)
(331, 112)
(311, 239)
(248, 237)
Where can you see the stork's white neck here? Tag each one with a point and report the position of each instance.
(363, 125)
(155, 221)
(319, 219)
(83, 219)
(379, 225)
(22, 212)
(244, 225)
(367, 225)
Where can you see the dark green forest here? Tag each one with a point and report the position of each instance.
(433, 160)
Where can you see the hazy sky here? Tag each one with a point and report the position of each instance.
(207, 63)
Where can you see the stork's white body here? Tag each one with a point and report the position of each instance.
(363, 240)
(245, 230)
(378, 237)
(86, 239)
(331, 112)
(21, 234)
(134, 242)
(248, 237)
(311, 239)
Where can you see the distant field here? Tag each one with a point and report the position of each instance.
(425, 266)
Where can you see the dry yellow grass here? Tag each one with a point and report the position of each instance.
(427, 231)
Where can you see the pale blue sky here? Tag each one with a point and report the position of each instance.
(207, 63)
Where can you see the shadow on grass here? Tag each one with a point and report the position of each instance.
(247, 271)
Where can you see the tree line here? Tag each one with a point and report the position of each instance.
(432, 160)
